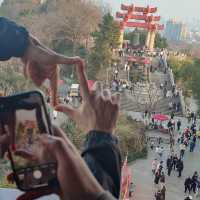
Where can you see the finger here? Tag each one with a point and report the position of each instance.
(81, 74)
(107, 94)
(116, 99)
(97, 88)
(54, 84)
(35, 73)
(68, 110)
(39, 193)
(59, 133)
(26, 155)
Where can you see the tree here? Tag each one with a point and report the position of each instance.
(56, 21)
(63, 25)
(130, 36)
(12, 79)
(147, 96)
(160, 42)
(106, 40)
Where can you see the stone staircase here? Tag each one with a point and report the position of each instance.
(123, 75)
(128, 103)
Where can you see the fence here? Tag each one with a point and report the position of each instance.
(172, 80)
(156, 140)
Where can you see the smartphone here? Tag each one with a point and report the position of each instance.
(26, 116)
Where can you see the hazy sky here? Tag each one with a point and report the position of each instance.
(179, 9)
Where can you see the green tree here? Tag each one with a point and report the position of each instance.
(195, 84)
(131, 35)
(160, 42)
(106, 39)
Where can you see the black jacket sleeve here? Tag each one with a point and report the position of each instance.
(14, 39)
(103, 157)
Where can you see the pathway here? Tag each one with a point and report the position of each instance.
(143, 178)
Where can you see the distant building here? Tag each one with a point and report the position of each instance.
(176, 31)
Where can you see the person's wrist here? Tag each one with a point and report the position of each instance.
(101, 130)
(95, 138)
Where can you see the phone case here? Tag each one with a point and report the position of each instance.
(7, 103)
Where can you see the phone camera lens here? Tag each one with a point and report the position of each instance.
(37, 174)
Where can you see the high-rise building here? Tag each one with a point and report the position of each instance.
(175, 31)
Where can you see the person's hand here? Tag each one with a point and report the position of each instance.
(34, 194)
(43, 152)
(39, 73)
(75, 179)
(41, 63)
(99, 109)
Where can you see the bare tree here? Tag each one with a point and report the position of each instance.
(147, 96)
(56, 20)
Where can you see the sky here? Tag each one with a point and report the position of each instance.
(184, 10)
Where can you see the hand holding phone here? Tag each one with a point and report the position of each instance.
(23, 120)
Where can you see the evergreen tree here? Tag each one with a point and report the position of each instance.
(106, 39)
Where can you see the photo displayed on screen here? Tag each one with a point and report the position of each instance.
(30, 123)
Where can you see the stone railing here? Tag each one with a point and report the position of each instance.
(172, 80)
(182, 101)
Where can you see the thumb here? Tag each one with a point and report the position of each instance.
(68, 110)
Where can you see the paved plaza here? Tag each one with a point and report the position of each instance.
(143, 177)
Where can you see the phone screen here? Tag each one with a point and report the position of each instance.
(30, 121)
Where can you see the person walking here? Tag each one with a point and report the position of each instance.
(175, 160)
(162, 179)
(157, 178)
(178, 125)
(154, 165)
(180, 167)
(169, 165)
(163, 192)
(198, 189)
(194, 181)
(152, 145)
(187, 184)
(158, 195)
(160, 166)
(182, 150)
(172, 115)
(192, 116)
(192, 145)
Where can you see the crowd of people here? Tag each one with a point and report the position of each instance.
(180, 139)
(192, 184)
